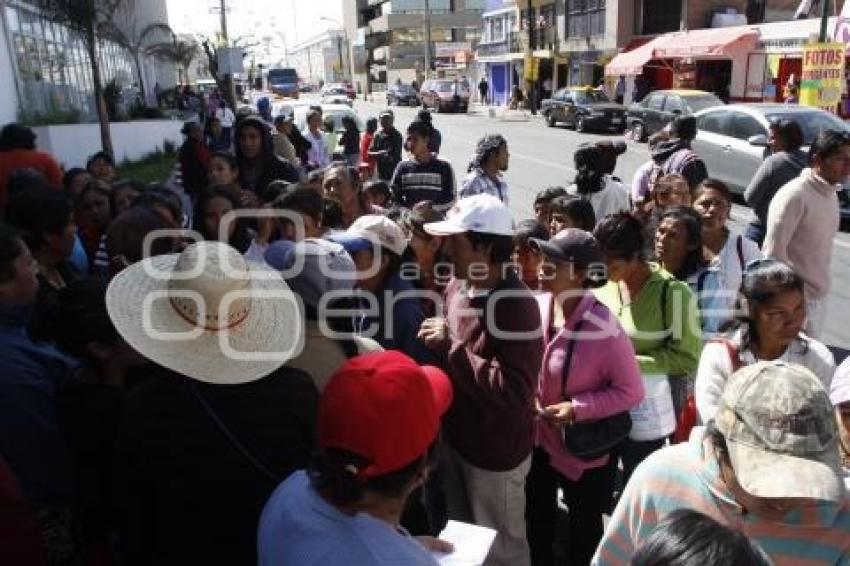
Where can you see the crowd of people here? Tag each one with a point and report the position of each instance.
(303, 349)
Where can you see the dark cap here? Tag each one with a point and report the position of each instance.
(283, 119)
(572, 245)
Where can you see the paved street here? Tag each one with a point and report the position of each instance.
(542, 156)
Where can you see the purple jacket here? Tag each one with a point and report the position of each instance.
(604, 379)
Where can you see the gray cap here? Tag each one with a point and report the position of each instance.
(781, 433)
(312, 267)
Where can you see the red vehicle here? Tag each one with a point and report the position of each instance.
(439, 95)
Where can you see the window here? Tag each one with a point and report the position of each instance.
(714, 122)
(52, 66)
(585, 18)
(660, 16)
(673, 104)
(743, 126)
(655, 102)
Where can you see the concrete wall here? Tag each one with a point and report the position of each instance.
(8, 94)
(71, 144)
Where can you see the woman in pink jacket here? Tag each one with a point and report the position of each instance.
(601, 380)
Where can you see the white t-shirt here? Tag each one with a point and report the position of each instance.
(612, 199)
(728, 263)
(318, 152)
(715, 368)
(225, 116)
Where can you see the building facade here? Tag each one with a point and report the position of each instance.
(48, 71)
(322, 58)
(389, 38)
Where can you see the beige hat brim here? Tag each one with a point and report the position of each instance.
(271, 334)
(773, 475)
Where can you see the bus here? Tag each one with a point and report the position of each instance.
(283, 81)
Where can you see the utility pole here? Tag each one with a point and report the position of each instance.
(824, 17)
(223, 9)
(529, 59)
(427, 38)
(555, 47)
(339, 57)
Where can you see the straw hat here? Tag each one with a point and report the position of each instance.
(207, 314)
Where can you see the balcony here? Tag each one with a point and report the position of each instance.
(512, 43)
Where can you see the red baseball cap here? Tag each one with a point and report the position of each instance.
(385, 408)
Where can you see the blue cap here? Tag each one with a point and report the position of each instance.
(351, 242)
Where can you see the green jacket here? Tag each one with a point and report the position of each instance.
(666, 337)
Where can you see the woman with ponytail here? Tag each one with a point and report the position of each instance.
(605, 194)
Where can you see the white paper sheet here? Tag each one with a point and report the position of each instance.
(472, 544)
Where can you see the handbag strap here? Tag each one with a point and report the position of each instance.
(232, 437)
(568, 357)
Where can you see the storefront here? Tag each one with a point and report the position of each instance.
(777, 59)
(713, 60)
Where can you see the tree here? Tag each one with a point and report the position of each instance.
(86, 18)
(181, 51)
(224, 82)
(124, 30)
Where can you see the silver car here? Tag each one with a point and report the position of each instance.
(732, 139)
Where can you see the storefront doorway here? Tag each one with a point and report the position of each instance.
(715, 77)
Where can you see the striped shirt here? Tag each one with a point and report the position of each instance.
(687, 476)
(415, 182)
(478, 182)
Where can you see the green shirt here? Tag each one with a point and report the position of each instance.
(666, 340)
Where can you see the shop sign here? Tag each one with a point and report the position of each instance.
(823, 74)
(449, 49)
(531, 68)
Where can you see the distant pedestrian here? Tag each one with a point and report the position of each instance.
(485, 170)
(676, 155)
(365, 142)
(591, 183)
(226, 117)
(620, 90)
(435, 139)
(543, 203)
(424, 176)
(350, 141)
(194, 158)
(386, 146)
(483, 89)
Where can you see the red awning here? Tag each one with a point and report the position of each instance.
(703, 42)
(632, 62)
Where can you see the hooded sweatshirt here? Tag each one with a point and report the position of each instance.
(256, 174)
(802, 222)
(676, 156)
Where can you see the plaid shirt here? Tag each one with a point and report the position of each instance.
(477, 182)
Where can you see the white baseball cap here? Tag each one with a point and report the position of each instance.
(839, 391)
(372, 229)
(479, 213)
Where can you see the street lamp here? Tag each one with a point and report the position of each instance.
(339, 45)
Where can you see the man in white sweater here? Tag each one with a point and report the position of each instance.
(802, 221)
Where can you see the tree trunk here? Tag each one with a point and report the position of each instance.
(100, 103)
(143, 93)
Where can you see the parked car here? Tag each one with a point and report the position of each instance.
(335, 111)
(439, 94)
(583, 108)
(660, 107)
(732, 140)
(402, 95)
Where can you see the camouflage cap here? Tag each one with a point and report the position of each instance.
(782, 436)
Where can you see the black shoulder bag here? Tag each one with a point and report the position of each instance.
(590, 440)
